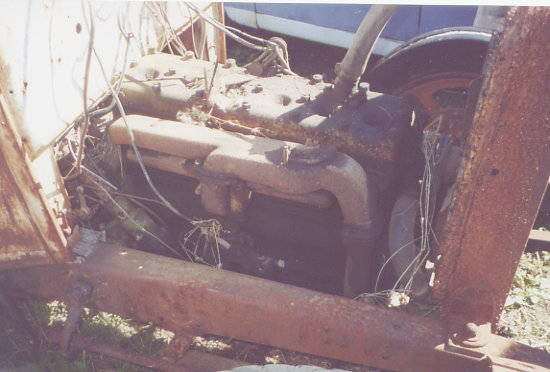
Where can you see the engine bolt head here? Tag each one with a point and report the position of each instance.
(316, 79)
(189, 55)
(364, 87)
(151, 74)
(258, 88)
(470, 330)
(230, 63)
(170, 72)
(303, 98)
(156, 87)
(337, 68)
(245, 105)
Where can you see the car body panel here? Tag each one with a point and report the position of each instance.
(335, 24)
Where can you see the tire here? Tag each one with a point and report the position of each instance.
(435, 68)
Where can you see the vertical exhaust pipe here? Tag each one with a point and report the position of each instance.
(355, 61)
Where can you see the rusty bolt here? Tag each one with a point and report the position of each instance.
(303, 98)
(286, 155)
(337, 68)
(189, 55)
(316, 79)
(470, 330)
(364, 88)
(473, 335)
(230, 63)
(151, 73)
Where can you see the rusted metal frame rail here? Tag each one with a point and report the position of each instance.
(503, 177)
(171, 293)
(192, 361)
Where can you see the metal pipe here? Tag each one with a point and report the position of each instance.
(177, 165)
(257, 160)
(355, 61)
(190, 361)
(219, 36)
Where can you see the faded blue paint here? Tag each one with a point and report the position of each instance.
(408, 21)
(245, 6)
(434, 17)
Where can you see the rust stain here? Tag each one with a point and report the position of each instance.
(503, 176)
(28, 232)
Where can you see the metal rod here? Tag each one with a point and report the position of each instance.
(191, 361)
(220, 40)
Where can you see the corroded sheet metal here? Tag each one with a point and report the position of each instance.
(172, 294)
(503, 176)
(28, 232)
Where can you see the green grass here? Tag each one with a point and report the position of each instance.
(526, 313)
(24, 347)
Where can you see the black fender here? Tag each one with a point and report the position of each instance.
(457, 49)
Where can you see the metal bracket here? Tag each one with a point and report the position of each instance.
(77, 296)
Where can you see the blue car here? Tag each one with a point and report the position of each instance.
(335, 24)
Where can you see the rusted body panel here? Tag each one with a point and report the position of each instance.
(29, 234)
(503, 176)
(171, 294)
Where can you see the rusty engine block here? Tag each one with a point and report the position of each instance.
(260, 153)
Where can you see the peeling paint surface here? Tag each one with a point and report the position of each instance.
(28, 232)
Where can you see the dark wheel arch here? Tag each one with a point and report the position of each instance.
(458, 49)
